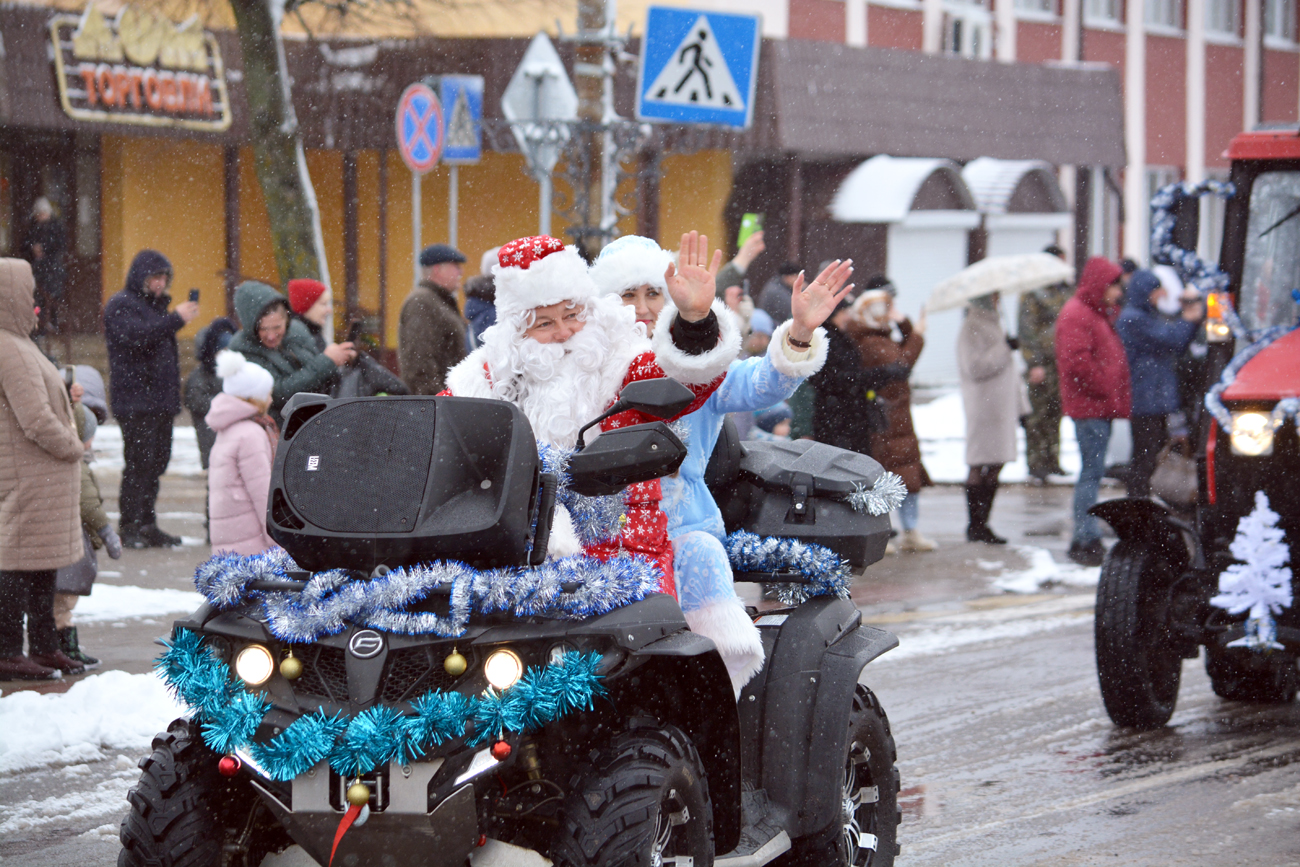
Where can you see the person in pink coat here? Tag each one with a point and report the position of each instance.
(239, 469)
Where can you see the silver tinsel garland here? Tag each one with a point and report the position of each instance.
(595, 519)
(332, 600)
(884, 496)
(827, 573)
(1204, 276)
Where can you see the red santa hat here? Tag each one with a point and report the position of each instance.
(537, 272)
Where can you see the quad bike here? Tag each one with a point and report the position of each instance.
(654, 762)
(1154, 599)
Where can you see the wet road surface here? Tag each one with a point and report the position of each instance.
(1007, 756)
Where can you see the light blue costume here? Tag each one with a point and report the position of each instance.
(701, 569)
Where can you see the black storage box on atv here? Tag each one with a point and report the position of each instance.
(400, 480)
(799, 490)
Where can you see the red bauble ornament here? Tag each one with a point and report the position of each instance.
(229, 766)
(501, 751)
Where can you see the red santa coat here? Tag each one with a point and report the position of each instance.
(646, 530)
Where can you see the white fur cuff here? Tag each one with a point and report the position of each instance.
(726, 624)
(784, 364)
(696, 369)
(564, 540)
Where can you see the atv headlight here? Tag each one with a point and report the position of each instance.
(1252, 434)
(254, 665)
(503, 668)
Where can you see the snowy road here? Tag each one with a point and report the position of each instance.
(1007, 756)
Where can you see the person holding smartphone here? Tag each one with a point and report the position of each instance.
(145, 389)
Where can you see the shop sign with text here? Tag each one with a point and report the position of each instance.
(137, 67)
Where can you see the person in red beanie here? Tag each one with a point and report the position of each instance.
(1095, 389)
(313, 305)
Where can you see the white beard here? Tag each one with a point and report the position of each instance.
(562, 386)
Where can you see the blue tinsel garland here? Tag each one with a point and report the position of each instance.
(332, 600)
(1214, 399)
(1205, 276)
(229, 714)
(595, 519)
(828, 574)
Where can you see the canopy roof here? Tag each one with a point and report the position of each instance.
(885, 189)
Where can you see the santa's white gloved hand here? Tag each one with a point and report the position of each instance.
(112, 542)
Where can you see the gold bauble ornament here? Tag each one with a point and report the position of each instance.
(358, 794)
(291, 667)
(455, 664)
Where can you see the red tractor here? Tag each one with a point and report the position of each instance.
(1154, 605)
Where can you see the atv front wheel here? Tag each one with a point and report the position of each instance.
(1239, 675)
(185, 814)
(641, 800)
(1139, 666)
(866, 832)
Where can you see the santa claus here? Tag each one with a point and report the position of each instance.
(562, 352)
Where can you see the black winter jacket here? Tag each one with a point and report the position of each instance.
(143, 361)
(843, 415)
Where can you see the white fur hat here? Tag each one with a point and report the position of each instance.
(631, 261)
(242, 378)
(537, 272)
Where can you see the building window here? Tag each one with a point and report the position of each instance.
(967, 29)
(1038, 7)
(1103, 11)
(1164, 13)
(1279, 19)
(1223, 17)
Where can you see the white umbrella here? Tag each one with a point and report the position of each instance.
(1010, 275)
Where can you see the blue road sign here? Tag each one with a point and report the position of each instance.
(462, 103)
(419, 128)
(698, 67)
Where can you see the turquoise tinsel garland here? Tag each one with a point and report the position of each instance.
(230, 714)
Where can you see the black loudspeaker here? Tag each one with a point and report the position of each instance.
(396, 481)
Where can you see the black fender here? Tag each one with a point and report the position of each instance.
(1153, 525)
(812, 673)
(681, 679)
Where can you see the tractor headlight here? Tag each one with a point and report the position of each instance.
(1252, 434)
(503, 668)
(254, 665)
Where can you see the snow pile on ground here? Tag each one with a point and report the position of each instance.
(109, 602)
(185, 451)
(113, 711)
(941, 427)
(1044, 571)
(106, 803)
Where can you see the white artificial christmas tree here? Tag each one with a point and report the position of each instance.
(1261, 583)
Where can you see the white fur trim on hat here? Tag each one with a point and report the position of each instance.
(696, 369)
(777, 351)
(242, 378)
(631, 261)
(560, 276)
(726, 624)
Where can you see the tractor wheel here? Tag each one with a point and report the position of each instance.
(1138, 661)
(639, 801)
(184, 814)
(1243, 675)
(866, 832)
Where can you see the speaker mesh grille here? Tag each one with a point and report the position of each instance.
(366, 470)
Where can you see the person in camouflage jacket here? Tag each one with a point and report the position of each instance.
(1037, 334)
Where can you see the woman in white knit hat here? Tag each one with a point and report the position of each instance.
(633, 268)
(239, 469)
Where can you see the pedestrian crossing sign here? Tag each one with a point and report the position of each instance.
(462, 107)
(698, 67)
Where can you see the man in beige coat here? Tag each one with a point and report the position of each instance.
(40, 486)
